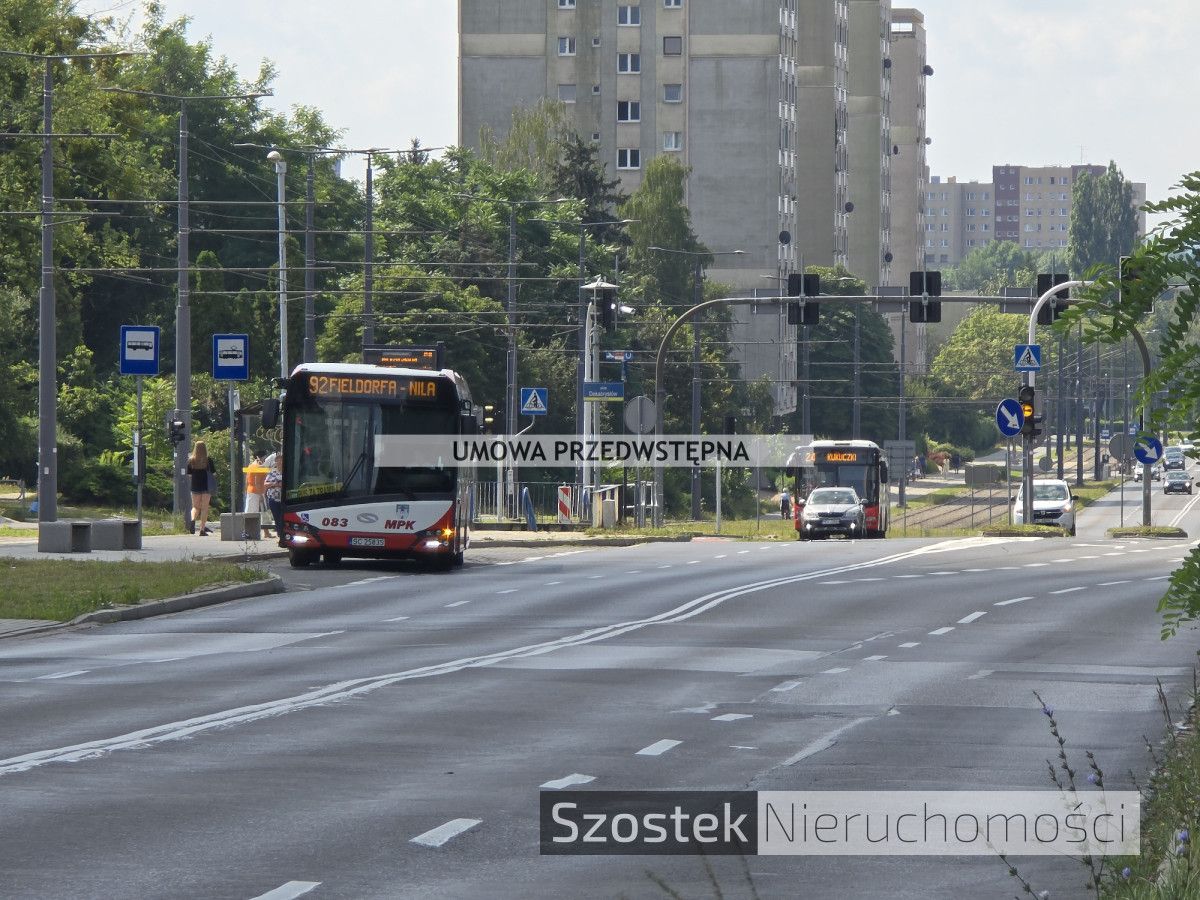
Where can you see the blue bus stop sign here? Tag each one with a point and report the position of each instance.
(139, 349)
(231, 357)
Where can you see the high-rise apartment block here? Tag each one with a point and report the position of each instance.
(753, 96)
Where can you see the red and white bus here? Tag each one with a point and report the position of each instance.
(337, 500)
(861, 465)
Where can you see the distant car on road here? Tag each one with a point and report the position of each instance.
(1177, 483)
(832, 510)
(1173, 458)
(1052, 504)
(1155, 472)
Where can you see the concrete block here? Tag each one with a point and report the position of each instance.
(241, 526)
(65, 537)
(116, 534)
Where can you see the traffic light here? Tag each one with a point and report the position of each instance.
(1027, 397)
(489, 419)
(1052, 310)
(922, 284)
(608, 309)
(176, 431)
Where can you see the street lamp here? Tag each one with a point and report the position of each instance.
(698, 256)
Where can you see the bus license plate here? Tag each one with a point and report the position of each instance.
(366, 542)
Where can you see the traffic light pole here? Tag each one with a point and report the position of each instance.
(1027, 440)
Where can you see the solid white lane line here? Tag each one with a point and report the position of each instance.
(435, 837)
(1183, 512)
(1158, 578)
(291, 889)
(720, 556)
(906, 576)
(731, 717)
(1012, 601)
(551, 583)
(658, 748)
(1039, 565)
(1069, 590)
(61, 675)
(786, 686)
(941, 573)
(396, 619)
(740, 552)
(362, 581)
(507, 591)
(940, 631)
(824, 743)
(568, 781)
(457, 603)
(532, 558)
(693, 562)
(967, 620)
(833, 582)
(837, 670)
(911, 644)
(1111, 583)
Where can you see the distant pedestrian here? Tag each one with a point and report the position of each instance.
(203, 477)
(271, 493)
(785, 506)
(955, 461)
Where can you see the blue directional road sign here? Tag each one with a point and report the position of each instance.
(231, 357)
(1027, 357)
(139, 349)
(1147, 449)
(535, 401)
(603, 391)
(618, 355)
(1009, 417)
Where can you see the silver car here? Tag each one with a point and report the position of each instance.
(1052, 504)
(832, 510)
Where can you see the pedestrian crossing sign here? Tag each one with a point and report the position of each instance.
(534, 401)
(1027, 357)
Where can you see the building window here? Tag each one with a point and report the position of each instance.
(566, 4)
(970, 196)
(1063, 211)
(629, 111)
(566, 93)
(672, 93)
(987, 196)
(672, 140)
(945, 212)
(595, 42)
(672, 45)
(596, 89)
(596, 136)
(629, 63)
(945, 242)
(971, 211)
(1065, 180)
(985, 227)
(970, 226)
(672, 4)
(629, 158)
(566, 46)
(985, 212)
(945, 226)
(629, 15)
(1029, 179)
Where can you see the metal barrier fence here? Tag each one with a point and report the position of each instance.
(493, 505)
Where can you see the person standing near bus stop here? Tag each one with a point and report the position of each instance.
(271, 493)
(203, 477)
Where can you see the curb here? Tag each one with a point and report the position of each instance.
(582, 542)
(271, 585)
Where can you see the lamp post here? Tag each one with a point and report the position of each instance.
(698, 257)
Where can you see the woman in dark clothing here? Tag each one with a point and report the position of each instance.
(199, 468)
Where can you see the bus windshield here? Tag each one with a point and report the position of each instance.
(851, 476)
(331, 450)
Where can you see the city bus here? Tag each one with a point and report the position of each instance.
(338, 501)
(861, 465)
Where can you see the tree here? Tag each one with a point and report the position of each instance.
(534, 141)
(1165, 262)
(579, 173)
(1103, 220)
(995, 264)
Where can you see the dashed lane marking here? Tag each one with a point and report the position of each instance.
(837, 670)
(457, 603)
(58, 675)
(876, 658)
(289, 890)
(568, 781)
(982, 673)
(731, 717)
(786, 686)
(658, 748)
(402, 618)
(551, 583)
(833, 582)
(1069, 590)
(940, 631)
(1039, 565)
(911, 644)
(1111, 583)
(720, 556)
(967, 620)
(508, 591)
(436, 837)
(1012, 601)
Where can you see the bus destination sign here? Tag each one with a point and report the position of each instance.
(841, 456)
(369, 387)
(427, 358)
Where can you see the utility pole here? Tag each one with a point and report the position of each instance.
(310, 262)
(47, 487)
(856, 411)
(368, 330)
(697, 297)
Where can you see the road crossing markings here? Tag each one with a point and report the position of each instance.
(731, 717)
(1069, 590)
(1012, 601)
(402, 618)
(568, 781)
(457, 603)
(288, 891)
(837, 670)
(1111, 583)
(58, 675)
(967, 620)
(940, 631)
(658, 748)
(875, 658)
(911, 644)
(436, 837)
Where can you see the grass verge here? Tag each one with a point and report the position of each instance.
(1022, 531)
(1151, 531)
(63, 589)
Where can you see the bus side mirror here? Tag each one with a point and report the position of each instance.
(883, 472)
(270, 413)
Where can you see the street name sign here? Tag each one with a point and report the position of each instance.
(603, 391)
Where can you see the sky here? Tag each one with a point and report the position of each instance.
(1033, 82)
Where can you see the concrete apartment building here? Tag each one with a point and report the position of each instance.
(751, 95)
(958, 218)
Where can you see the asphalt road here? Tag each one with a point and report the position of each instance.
(382, 732)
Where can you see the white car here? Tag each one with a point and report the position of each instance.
(1155, 472)
(1053, 504)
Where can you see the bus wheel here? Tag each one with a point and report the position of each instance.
(299, 559)
(332, 558)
